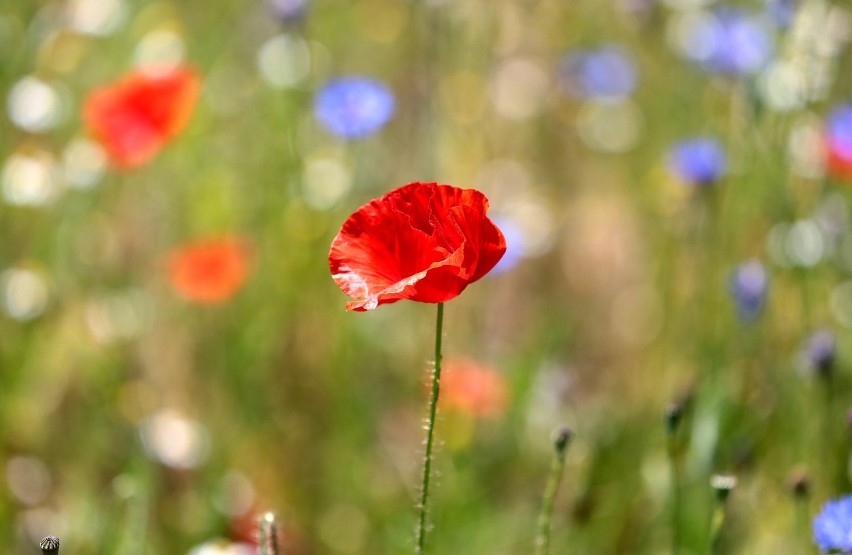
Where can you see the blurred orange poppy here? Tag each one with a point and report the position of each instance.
(473, 389)
(134, 117)
(209, 271)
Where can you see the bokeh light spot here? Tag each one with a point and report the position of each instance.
(160, 51)
(119, 315)
(804, 244)
(610, 126)
(782, 86)
(33, 105)
(284, 61)
(325, 181)
(25, 293)
(30, 179)
(805, 149)
(534, 220)
(95, 17)
(84, 163)
(174, 440)
(222, 547)
(235, 495)
(519, 89)
(29, 479)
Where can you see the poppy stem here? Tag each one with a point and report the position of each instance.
(560, 445)
(430, 428)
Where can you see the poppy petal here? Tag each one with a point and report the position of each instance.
(424, 242)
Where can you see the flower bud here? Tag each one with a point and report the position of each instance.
(50, 544)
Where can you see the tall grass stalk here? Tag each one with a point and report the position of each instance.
(135, 531)
(674, 415)
(430, 429)
(560, 446)
(268, 535)
(800, 492)
(722, 486)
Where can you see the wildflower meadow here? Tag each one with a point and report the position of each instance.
(444, 277)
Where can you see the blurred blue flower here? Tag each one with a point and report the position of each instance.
(782, 11)
(608, 72)
(730, 42)
(698, 161)
(288, 11)
(833, 526)
(820, 352)
(838, 142)
(749, 284)
(515, 245)
(354, 107)
(839, 126)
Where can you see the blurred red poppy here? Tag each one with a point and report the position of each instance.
(134, 117)
(209, 271)
(473, 389)
(424, 242)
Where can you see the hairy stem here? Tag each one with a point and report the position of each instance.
(430, 428)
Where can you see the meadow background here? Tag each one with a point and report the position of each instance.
(135, 421)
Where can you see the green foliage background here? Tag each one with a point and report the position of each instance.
(624, 312)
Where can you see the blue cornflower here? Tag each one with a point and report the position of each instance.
(749, 284)
(820, 352)
(833, 526)
(354, 107)
(730, 42)
(608, 72)
(782, 11)
(838, 142)
(698, 161)
(288, 11)
(839, 126)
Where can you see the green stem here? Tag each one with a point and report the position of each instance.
(674, 469)
(560, 444)
(802, 522)
(674, 416)
(430, 428)
(133, 540)
(268, 535)
(722, 486)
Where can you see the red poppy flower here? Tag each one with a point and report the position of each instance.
(209, 271)
(424, 242)
(473, 389)
(134, 117)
